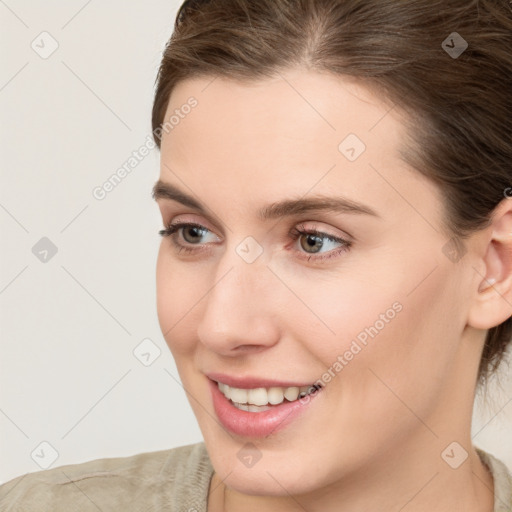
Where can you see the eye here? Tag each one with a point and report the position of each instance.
(314, 239)
(196, 230)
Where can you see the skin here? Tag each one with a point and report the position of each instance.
(373, 437)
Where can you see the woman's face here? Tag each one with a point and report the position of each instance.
(376, 318)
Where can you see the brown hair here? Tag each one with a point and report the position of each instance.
(458, 107)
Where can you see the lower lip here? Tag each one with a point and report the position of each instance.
(257, 424)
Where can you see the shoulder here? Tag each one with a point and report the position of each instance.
(167, 479)
(502, 481)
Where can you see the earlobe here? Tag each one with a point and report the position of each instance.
(492, 304)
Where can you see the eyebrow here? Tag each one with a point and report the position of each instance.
(287, 207)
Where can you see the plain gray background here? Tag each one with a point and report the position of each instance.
(71, 387)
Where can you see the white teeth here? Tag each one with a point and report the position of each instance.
(275, 395)
(257, 408)
(255, 399)
(257, 396)
(238, 395)
(291, 394)
(251, 408)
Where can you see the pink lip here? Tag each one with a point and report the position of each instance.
(257, 424)
(254, 382)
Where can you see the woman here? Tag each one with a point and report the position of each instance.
(335, 273)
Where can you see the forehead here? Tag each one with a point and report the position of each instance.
(300, 131)
(299, 105)
(294, 114)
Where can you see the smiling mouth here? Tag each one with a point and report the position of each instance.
(263, 399)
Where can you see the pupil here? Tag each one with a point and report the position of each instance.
(194, 229)
(312, 240)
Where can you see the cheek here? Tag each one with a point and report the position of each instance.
(407, 336)
(339, 312)
(408, 360)
(388, 369)
(178, 294)
(352, 321)
(162, 289)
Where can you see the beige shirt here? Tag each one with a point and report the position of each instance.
(173, 480)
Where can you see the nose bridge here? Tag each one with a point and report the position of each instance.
(237, 308)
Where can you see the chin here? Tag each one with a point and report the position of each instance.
(247, 481)
(267, 477)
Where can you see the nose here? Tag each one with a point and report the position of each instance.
(240, 310)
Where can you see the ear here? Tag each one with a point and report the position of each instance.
(492, 303)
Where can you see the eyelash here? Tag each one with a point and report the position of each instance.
(294, 233)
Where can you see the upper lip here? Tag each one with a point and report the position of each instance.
(250, 382)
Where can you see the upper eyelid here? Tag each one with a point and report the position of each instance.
(185, 219)
(293, 219)
(300, 226)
